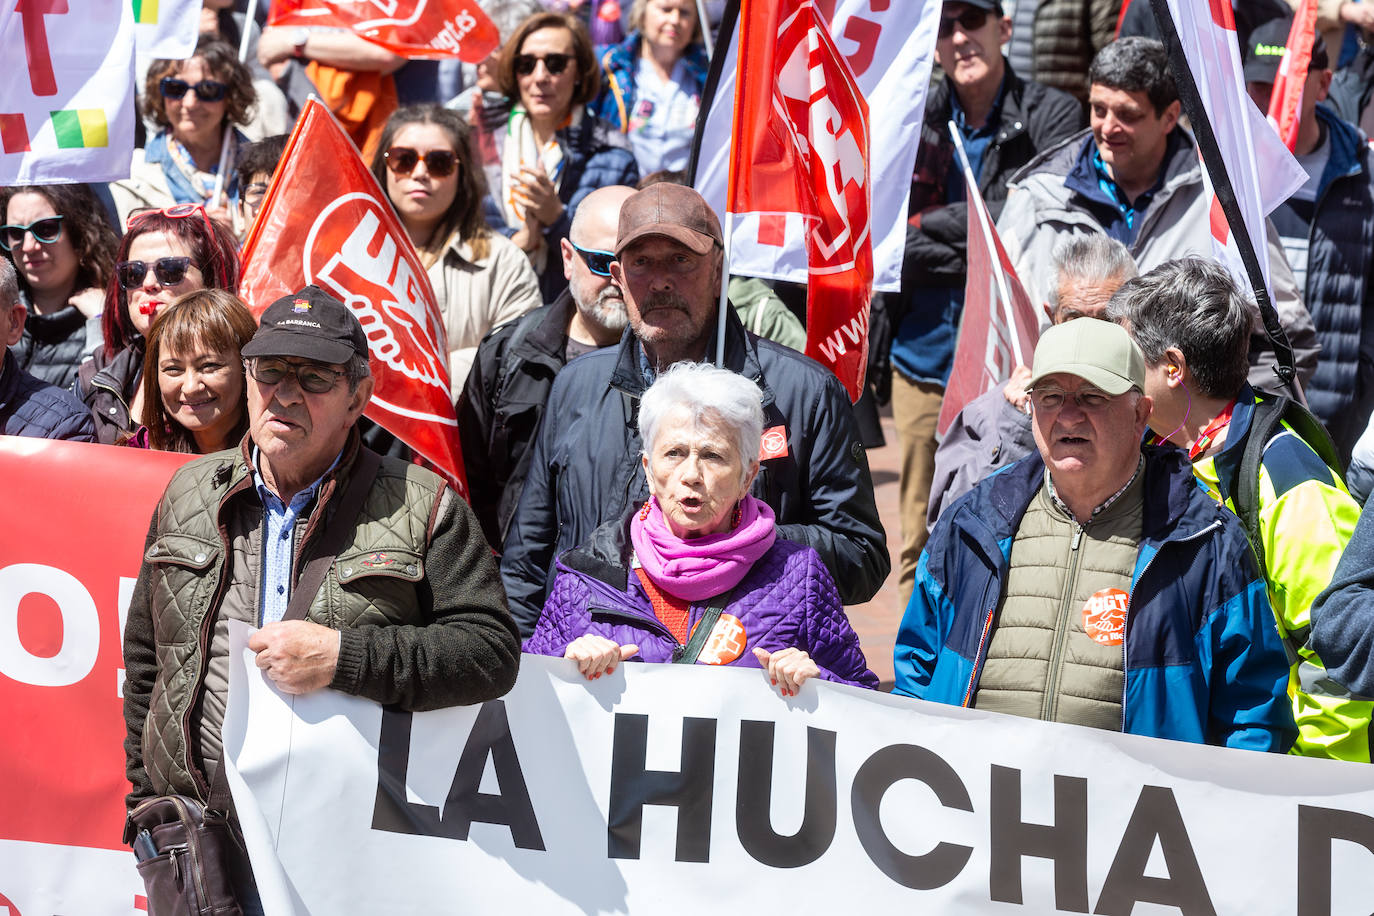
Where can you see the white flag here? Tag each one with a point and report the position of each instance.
(166, 29)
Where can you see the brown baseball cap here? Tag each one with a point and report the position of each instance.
(673, 211)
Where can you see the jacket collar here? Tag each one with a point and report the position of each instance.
(548, 339)
(1012, 118)
(605, 554)
(1345, 148)
(9, 378)
(741, 356)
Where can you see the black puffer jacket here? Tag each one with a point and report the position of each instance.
(31, 407)
(586, 467)
(501, 406)
(107, 386)
(54, 346)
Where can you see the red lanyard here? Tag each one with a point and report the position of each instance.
(1219, 422)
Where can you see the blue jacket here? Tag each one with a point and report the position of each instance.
(619, 93)
(31, 407)
(1203, 661)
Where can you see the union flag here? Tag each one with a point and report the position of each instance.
(411, 28)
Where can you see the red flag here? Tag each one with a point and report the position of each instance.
(999, 328)
(801, 146)
(412, 28)
(1285, 101)
(325, 221)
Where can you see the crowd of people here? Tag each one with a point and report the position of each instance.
(1146, 530)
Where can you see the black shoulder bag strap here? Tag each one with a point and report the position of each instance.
(688, 654)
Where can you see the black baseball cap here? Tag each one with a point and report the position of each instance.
(310, 324)
(1266, 46)
(992, 6)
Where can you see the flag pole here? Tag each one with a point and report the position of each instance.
(971, 183)
(224, 163)
(724, 290)
(705, 22)
(1226, 195)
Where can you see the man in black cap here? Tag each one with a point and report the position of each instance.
(366, 575)
(1327, 230)
(586, 467)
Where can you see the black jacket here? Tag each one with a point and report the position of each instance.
(107, 386)
(31, 407)
(586, 467)
(501, 405)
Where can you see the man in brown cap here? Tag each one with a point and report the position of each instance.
(365, 575)
(586, 465)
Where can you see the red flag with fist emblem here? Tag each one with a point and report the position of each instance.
(325, 221)
(801, 146)
(411, 28)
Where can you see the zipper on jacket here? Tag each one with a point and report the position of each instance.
(978, 656)
(1130, 603)
(1049, 705)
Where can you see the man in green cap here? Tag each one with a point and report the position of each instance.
(1093, 582)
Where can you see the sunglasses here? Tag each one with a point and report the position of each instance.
(45, 231)
(168, 271)
(554, 63)
(205, 90)
(440, 163)
(312, 377)
(598, 262)
(971, 19)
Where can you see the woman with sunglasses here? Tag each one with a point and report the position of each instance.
(194, 397)
(63, 249)
(654, 80)
(480, 279)
(165, 254)
(553, 150)
(192, 103)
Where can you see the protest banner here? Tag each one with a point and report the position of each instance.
(166, 29)
(889, 47)
(422, 29)
(69, 116)
(801, 147)
(325, 221)
(78, 516)
(668, 789)
(999, 326)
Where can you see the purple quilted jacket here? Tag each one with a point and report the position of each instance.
(786, 599)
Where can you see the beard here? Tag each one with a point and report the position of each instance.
(607, 310)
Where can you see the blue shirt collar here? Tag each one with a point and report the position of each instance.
(298, 501)
(994, 113)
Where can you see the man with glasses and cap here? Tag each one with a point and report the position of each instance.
(586, 467)
(1093, 582)
(503, 401)
(366, 575)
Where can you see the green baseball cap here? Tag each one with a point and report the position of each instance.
(1099, 352)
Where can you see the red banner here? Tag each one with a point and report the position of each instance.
(1285, 100)
(999, 327)
(412, 28)
(801, 146)
(325, 221)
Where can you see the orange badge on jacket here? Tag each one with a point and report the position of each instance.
(1104, 616)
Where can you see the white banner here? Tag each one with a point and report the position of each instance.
(890, 47)
(68, 116)
(166, 29)
(663, 789)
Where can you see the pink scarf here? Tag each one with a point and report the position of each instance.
(703, 567)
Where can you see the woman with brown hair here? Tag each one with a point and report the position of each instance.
(194, 399)
(553, 150)
(426, 164)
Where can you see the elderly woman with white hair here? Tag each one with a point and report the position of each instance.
(698, 575)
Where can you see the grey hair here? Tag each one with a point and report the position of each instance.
(9, 284)
(1193, 305)
(355, 370)
(1092, 260)
(1136, 64)
(737, 402)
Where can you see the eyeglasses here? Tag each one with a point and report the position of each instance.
(1089, 400)
(45, 231)
(312, 377)
(597, 261)
(168, 271)
(205, 90)
(213, 243)
(971, 19)
(554, 63)
(402, 160)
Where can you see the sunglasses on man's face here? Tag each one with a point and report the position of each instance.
(312, 377)
(972, 19)
(168, 271)
(554, 63)
(598, 262)
(45, 231)
(440, 163)
(205, 90)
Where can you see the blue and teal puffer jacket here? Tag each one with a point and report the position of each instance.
(1202, 657)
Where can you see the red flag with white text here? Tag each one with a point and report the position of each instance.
(999, 327)
(1285, 101)
(801, 146)
(412, 28)
(325, 221)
